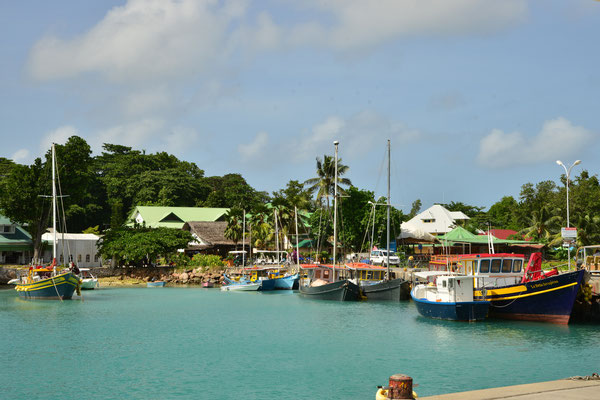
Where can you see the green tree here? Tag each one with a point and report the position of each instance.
(138, 245)
(543, 226)
(416, 207)
(504, 214)
(234, 230)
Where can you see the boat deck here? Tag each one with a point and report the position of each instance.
(565, 389)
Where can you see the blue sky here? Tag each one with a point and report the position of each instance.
(478, 97)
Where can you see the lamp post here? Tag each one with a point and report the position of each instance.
(568, 173)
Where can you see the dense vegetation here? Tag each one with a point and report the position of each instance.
(103, 190)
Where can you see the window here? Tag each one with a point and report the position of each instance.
(78, 258)
(443, 283)
(7, 229)
(87, 258)
(62, 259)
(484, 266)
(496, 266)
(326, 274)
(506, 266)
(517, 265)
(96, 258)
(469, 267)
(370, 275)
(428, 221)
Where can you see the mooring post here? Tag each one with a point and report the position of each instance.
(401, 387)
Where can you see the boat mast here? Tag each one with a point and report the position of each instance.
(297, 245)
(389, 205)
(53, 207)
(276, 236)
(335, 197)
(244, 239)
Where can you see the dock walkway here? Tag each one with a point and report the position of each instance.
(564, 389)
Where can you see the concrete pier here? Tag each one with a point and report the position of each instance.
(565, 389)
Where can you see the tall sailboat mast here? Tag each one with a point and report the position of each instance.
(53, 206)
(335, 197)
(389, 205)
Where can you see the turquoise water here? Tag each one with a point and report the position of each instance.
(193, 343)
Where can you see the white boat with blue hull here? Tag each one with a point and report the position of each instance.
(450, 297)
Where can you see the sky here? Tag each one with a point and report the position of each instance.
(477, 97)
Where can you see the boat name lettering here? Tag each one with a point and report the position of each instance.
(539, 285)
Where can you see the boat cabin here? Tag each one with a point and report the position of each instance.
(367, 273)
(445, 288)
(323, 273)
(490, 269)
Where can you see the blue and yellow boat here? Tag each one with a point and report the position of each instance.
(515, 292)
(43, 284)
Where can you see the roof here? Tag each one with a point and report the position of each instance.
(174, 217)
(461, 235)
(502, 233)
(435, 220)
(208, 233)
(365, 266)
(20, 240)
(70, 236)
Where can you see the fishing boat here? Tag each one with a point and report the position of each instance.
(286, 281)
(50, 283)
(329, 282)
(156, 284)
(450, 297)
(374, 284)
(384, 288)
(517, 293)
(208, 284)
(88, 281)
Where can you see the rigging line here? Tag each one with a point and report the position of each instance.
(64, 216)
(55, 288)
(362, 245)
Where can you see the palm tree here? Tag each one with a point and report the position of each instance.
(324, 182)
(234, 217)
(541, 224)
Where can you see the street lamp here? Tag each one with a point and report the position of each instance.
(568, 172)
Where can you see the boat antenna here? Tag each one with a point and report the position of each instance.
(335, 198)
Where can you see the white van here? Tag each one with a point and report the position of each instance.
(379, 257)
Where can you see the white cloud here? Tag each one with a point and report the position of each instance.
(144, 39)
(58, 136)
(21, 156)
(364, 23)
(357, 135)
(559, 138)
(256, 149)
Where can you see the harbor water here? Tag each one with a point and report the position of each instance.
(194, 343)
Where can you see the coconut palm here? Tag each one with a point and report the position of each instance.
(234, 217)
(542, 223)
(324, 182)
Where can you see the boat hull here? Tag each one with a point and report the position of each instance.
(267, 284)
(241, 287)
(59, 287)
(455, 311)
(89, 284)
(547, 300)
(393, 290)
(287, 282)
(156, 284)
(338, 291)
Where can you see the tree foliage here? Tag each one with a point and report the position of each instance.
(139, 245)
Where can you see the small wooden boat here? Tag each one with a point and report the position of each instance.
(88, 281)
(41, 283)
(208, 284)
(241, 287)
(373, 282)
(450, 297)
(321, 284)
(287, 282)
(156, 284)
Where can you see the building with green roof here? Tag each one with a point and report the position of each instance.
(16, 246)
(174, 217)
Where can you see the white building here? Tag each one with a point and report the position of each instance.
(78, 247)
(436, 220)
